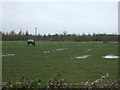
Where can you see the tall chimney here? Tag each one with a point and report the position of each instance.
(36, 31)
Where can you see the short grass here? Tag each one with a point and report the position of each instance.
(32, 62)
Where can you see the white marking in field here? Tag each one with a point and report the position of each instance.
(110, 57)
(46, 56)
(7, 54)
(60, 49)
(80, 57)
(88, 49)
(46, 51)
(55, 50)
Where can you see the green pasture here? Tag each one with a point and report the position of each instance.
(43, 61)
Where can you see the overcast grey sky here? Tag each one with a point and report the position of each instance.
(51, 18)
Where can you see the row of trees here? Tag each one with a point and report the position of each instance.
(12, 36)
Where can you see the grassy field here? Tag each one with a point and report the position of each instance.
(46, 59)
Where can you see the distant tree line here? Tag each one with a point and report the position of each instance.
(12, 36)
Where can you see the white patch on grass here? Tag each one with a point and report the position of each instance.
(88, 49)
(110, 57)
(80, 57)
(46, 56)
(60, 49)
(52, 50)
(7, 54)
(55, 50)
(46, 51)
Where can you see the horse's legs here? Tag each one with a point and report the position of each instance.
(28, 43)
(34, 44)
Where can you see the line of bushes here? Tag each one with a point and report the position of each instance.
(12, 36)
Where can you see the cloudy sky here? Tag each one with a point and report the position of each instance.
(56, 17)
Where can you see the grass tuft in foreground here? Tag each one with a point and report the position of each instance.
(57, 83)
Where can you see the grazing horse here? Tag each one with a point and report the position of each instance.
(30, 41)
